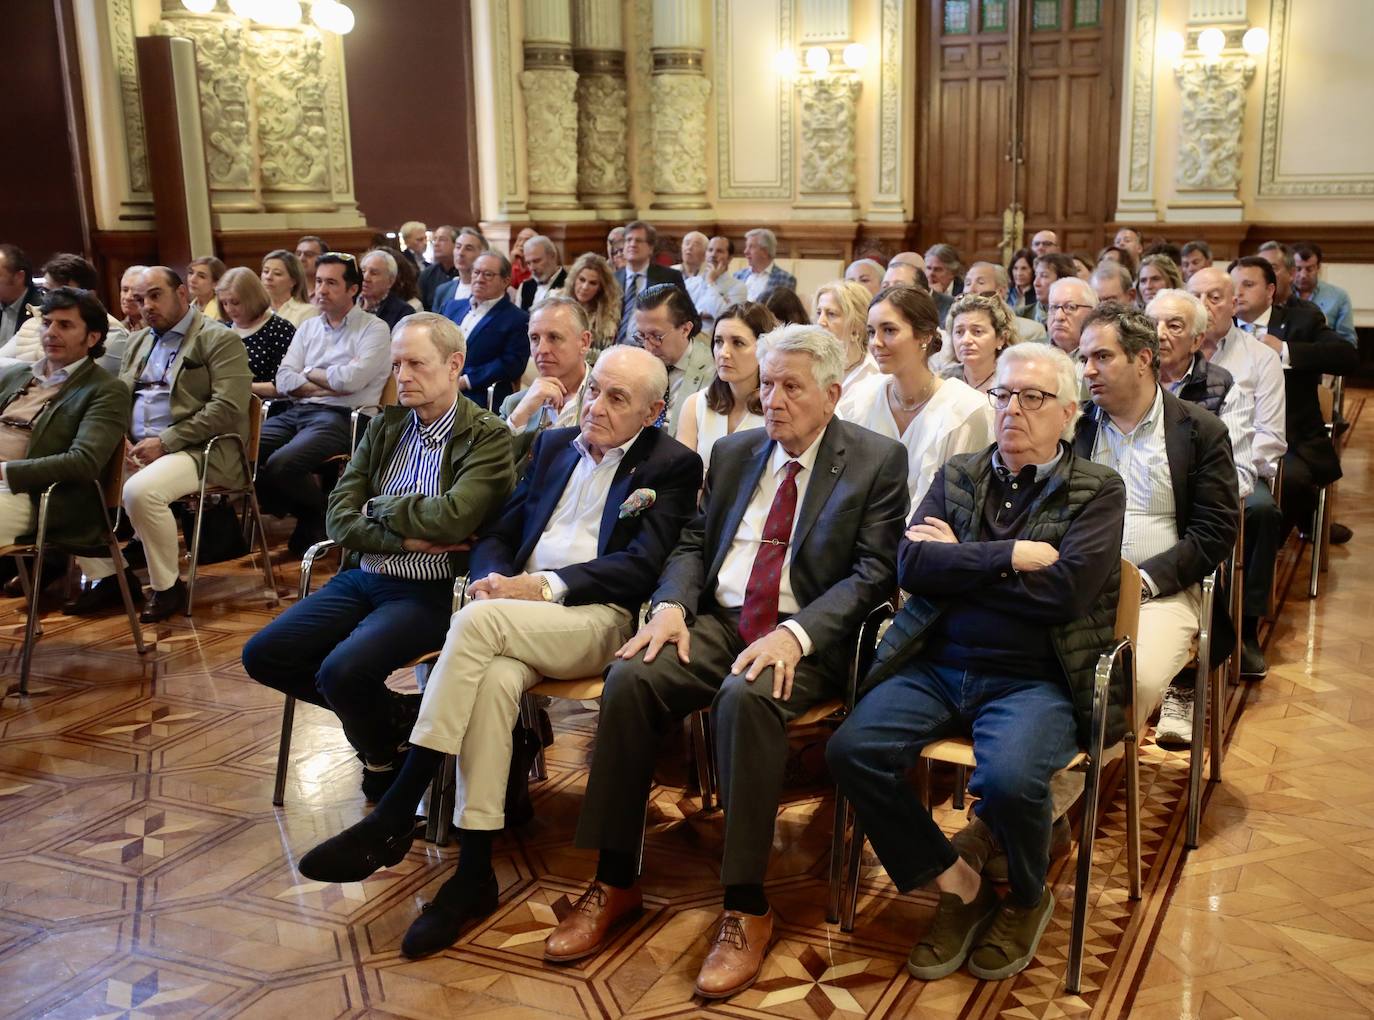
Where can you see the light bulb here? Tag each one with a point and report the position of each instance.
(280, 13)
(855, 55)
(332, 16)
(199, 6)
(1211, 42)
(818, 59)
(1172, 44)
(1255, 41)
(785, 63)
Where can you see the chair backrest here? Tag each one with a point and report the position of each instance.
(1326, 397)
(254, 427)
(112, 478)
(389, 397)
(1128, 602)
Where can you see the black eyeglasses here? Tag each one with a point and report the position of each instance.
(1029, 399)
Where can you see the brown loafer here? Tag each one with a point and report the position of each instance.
(739, 944)
(596, 913)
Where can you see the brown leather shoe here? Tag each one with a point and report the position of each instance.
(738, 947)
(597, 913)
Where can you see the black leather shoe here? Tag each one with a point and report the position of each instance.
(459, 902)
(165, 604)
(356, 853)
(103, 596)
(1252, 664)
(1340, 534)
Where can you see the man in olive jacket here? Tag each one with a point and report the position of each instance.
(190, 381)
(426, 476)
(61, 419)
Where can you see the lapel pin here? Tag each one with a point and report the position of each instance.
(834, 469)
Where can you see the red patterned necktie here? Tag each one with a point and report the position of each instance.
(759, 614)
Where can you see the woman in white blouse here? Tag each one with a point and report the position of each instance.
(287, 287)
(731, 401)
(842, 310)
(933, 418)
(981, 329)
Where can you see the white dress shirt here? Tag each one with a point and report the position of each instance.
(1237, 413)
(574, 529)
(738, 564)
(1257, 370)
(542, 288)
(713, 298)
(755, 284)
(355, 358)
(1142, 461)
(477, 311)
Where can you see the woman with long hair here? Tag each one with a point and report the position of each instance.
(1021, 272)
(731, 401)
(1157, 272)
(287, 289)
(202, 277)
(933, 418)
(980, 330)
(592, 283)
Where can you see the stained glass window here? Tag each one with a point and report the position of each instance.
(1087, 13)
(1045, 15)
(994, 15)
(957, 16)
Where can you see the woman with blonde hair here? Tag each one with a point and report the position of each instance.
(286, 285)
(202, 277)
(1157, 272)
(592, 283)
(731, 400)
(266, 334)
(981, 329)
(841, 309)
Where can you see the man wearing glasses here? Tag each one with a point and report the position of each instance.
(1071, 300)
(496, 330)
(338, 361)
(665, 325)
(1012, 563)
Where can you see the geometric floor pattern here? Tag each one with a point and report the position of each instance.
(145, 874)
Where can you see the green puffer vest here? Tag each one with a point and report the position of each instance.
(1077, 643)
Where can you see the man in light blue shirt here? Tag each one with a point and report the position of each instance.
(338, 362)
(1332, 300)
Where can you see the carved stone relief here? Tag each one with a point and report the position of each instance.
(679, 138)
(827, 126)
(1142, 94)
(889, 98)
(293, 139)
(601, 127)
(1213, 109)
(551, 133)
(130, 99)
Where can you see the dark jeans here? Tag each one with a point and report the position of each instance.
(1023, 732)
(641, 700)
(337, 647)
(1263, 531)
(295, 443)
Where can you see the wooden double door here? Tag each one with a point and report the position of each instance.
(1019, 123)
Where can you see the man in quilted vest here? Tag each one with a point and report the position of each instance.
(1012, 562)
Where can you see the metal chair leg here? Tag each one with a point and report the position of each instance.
(1081, 889)
(1201, 701)
(1318, 540)
(33, 588)
(126, 596)
(1218, 724)
(195, 549)
(288, 717)
(960, 782)
(267, 575)
(923, 770)
(833, 903)
(529, 718)
(1133, 815)
(856, 857)
(701, 750)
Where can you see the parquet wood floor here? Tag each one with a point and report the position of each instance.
(144, 872)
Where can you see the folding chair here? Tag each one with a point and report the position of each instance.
(1326, 497)
(248, 459)
(958, 751)
(107, 490)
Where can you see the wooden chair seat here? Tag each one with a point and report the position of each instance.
(959, 751)
(584, 689)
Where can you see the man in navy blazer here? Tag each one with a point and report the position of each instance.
(556, 584)
(496, 330)
(795, 544)
(641, 272)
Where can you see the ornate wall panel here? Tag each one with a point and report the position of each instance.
(1135, 186)
(754, 104)
(1213, 112)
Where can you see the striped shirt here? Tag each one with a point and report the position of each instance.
(1142, 461)
(415, 468)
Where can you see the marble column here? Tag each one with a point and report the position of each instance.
(1212, 113)
(603, 176)
(550, 86)
(678, 96)
(828, 113)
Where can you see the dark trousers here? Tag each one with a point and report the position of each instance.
(293, 446)
(1263, 535)
(1023, 732)
(337, 647)
(642, 700)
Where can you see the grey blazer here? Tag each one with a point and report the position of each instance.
(844, 544)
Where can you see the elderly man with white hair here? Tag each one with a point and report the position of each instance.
(546, 274)
(754, 616)
(414, 238)
(762, 274)
(1071, 301)
(379, 276)
(991, 280)
(1012, 562)
(556, 581)
(693, 254)
(867, 272)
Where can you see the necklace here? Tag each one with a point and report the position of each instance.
(915, 405)
(979, 386)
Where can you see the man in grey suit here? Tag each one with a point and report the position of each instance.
(794, 545)
(665, 324)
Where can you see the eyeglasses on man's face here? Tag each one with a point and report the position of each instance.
(1029, 399)
(1068, 308)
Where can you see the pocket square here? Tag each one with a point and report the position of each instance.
(637, 502)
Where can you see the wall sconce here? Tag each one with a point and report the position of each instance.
(820, 61)
(1211, 43)
(330, 15)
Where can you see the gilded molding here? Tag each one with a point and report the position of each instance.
(599, 62)
(553, 56)
(678, 61)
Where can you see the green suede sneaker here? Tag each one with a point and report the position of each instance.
(975, 843)
(957, 925)
(1011, 940)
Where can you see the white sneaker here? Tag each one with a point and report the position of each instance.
(1175, 729)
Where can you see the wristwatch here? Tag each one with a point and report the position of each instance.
(545, 589)
(668, 605)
